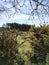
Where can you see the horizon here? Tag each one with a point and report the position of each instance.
(22, 19)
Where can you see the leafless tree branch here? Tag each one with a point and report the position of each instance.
(41, 7)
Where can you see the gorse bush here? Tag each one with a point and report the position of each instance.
(8, 47)
(24, 47)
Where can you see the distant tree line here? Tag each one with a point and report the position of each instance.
(21, 27)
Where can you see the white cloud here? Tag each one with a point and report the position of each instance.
(15, 18)
(20, 16)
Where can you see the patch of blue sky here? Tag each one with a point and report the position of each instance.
(21, 18)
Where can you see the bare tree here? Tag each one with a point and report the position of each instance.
(30, 7)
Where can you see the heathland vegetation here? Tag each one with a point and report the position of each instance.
(24, 44)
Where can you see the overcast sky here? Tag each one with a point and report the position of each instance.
(20, 18)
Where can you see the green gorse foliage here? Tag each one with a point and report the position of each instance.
(29, 47)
